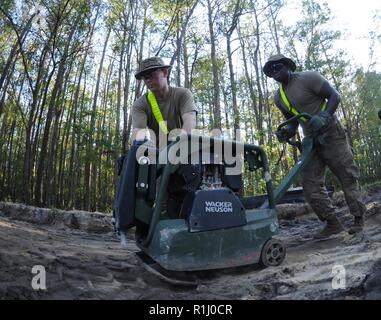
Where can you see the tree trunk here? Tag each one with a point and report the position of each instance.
(258, 78)
(31, 120)
(186, 65)
(17, 48)
(119, 92)
(236, 117)
(216, 84)
(76, 129)
(90, 152)
(52, 109)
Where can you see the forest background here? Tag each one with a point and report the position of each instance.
(67, 85)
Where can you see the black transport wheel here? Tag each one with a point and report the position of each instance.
(273, 253)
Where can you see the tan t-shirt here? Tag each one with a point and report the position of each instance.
(302, 92)
(178, 102)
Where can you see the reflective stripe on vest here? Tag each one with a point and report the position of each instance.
(156, 111)
(294, 111)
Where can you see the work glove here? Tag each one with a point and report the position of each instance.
(285, 133)
(319, 121)
(138, 142)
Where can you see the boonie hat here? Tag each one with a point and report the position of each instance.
(278, 58)
(150, 64)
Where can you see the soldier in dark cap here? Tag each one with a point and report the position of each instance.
(311, 93)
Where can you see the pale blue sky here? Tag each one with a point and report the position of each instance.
(355, 19)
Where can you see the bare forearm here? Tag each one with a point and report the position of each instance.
(332, 96)
(189, 122)
(138, 134)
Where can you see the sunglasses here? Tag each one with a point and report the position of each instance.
(275, 67)
(149, 73)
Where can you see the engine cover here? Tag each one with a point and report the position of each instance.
(213, 209)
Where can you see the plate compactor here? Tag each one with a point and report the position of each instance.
(187, 208)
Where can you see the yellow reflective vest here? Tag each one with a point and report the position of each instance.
(156, 111)
(290, 108)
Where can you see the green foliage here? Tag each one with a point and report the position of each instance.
(366, 141)
(143, 28)
(318, 41)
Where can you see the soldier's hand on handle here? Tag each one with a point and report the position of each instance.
(285, 133)
(318, 121)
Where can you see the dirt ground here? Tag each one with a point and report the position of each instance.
(83, 259)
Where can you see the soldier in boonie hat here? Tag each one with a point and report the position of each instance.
(149, 65)
(164, 107)
(268, 67)
(309, 92)
(164, 110)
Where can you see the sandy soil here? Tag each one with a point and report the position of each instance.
(83, 259)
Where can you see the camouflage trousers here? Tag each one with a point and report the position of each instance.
(337, 155)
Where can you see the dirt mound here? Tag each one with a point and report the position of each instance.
(83, 259)
(82, 220)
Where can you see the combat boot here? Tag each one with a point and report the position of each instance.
(332, 226)
(357, 226)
